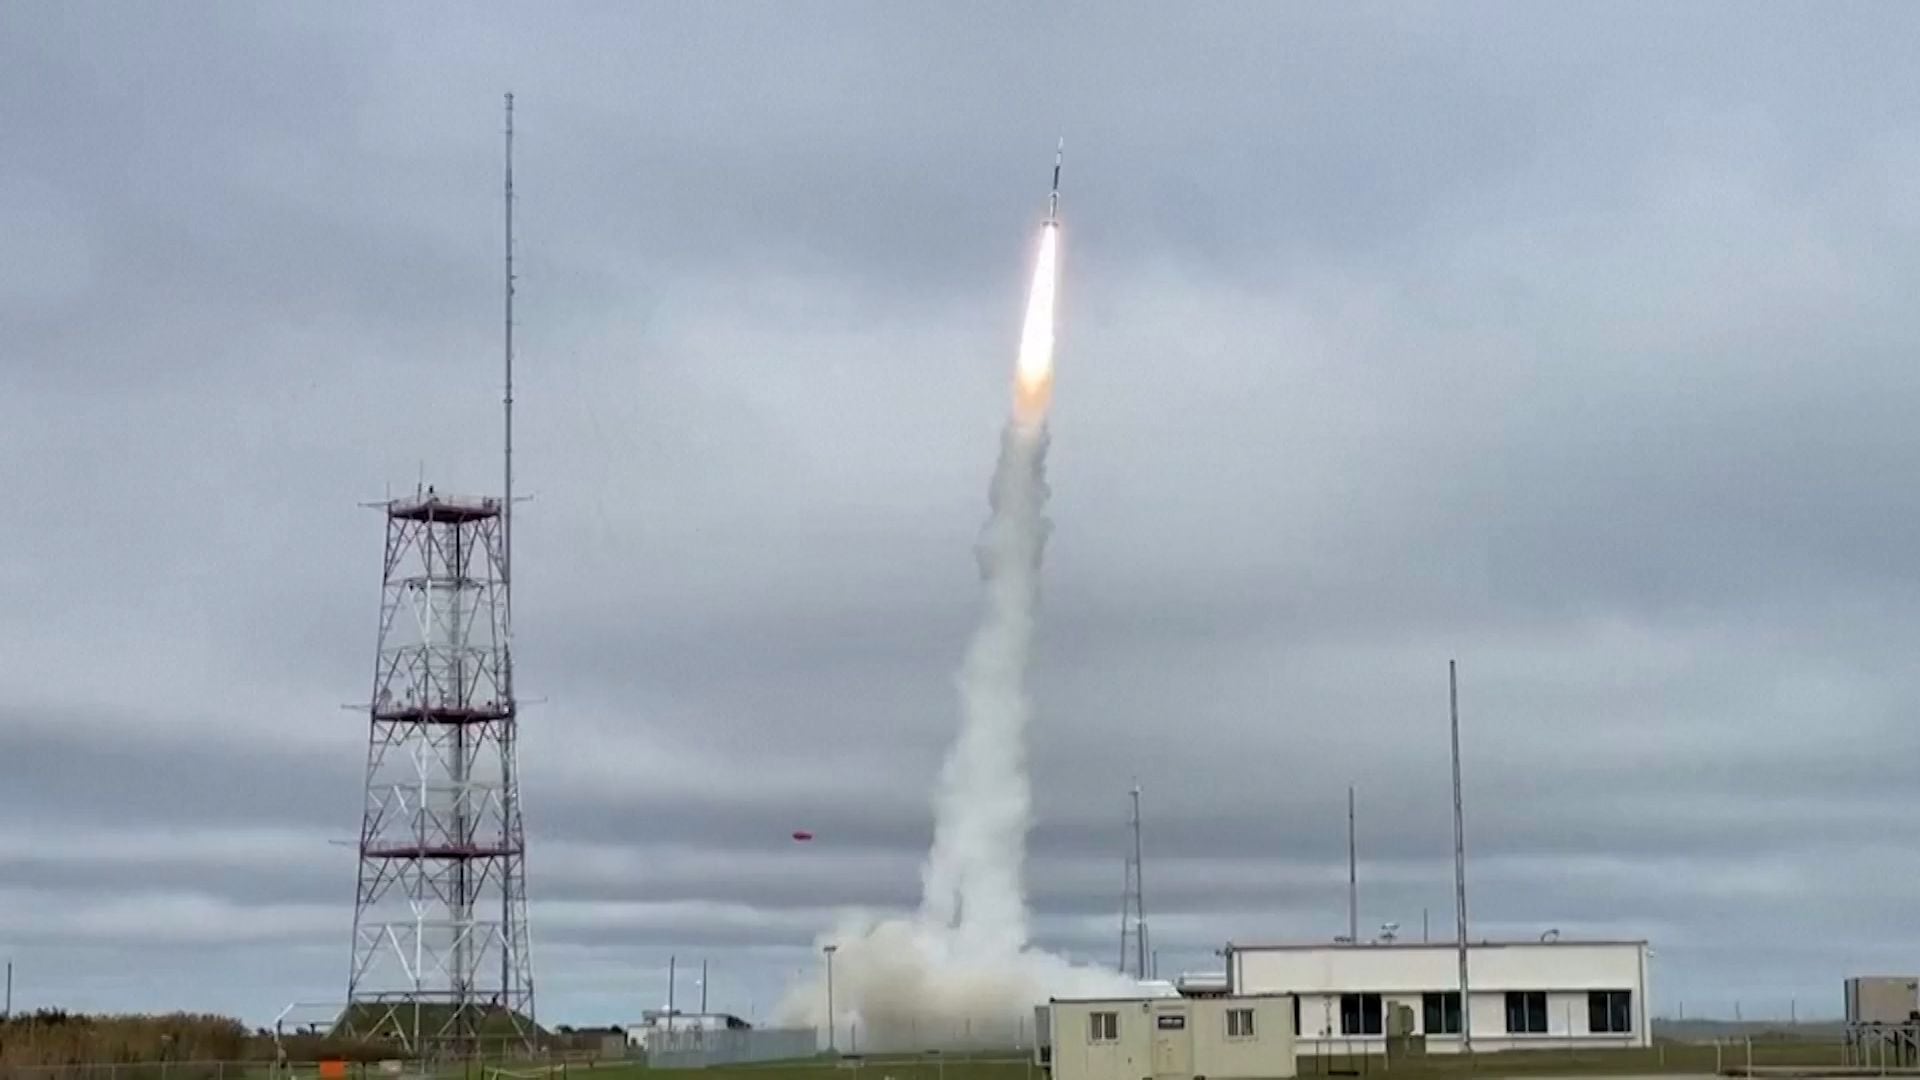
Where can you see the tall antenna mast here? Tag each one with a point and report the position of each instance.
(1133, 909)
(506, 510)
(513, 892)
(1459, 862)
(1353, 877)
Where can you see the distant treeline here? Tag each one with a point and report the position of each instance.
(57, 1037)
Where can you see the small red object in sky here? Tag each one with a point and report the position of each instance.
(802, 834)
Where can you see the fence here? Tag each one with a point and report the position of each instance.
(697, 1049)
(967, 1036)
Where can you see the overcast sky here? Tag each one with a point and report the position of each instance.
(1576, 344)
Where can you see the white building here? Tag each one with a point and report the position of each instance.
(657, 1025)
(1535, 994)
(1248, 1038)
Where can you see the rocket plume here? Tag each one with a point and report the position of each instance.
(972, 881)
(962, 964)
(1033, 378)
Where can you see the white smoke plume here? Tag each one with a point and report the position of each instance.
(972, 882)
(960, 971)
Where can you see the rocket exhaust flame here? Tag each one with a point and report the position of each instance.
(1033, 378)
(962, 961)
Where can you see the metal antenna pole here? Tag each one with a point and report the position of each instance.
(510, 787)
(832, 1046)
(1139, 888)
(506, 518)
(1353, 877)
(1459, 863)
(1133, 912)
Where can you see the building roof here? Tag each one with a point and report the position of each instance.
(649, 1016)
(1315, 946)
(1152, 1000)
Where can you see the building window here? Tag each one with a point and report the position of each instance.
(1360, 1015)
(1239, 1023)
(1610, 1012)
(1527, 1012)
(1103, 1027)
(1440, 1013)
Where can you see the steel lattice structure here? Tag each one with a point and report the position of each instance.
(441, 956)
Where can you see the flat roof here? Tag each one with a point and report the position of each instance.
(1341, 946)
(1171, 998)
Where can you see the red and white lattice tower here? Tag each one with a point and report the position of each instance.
(442, 962)
(440, 955)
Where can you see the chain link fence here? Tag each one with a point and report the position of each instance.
(697, 1049)
(976, 1036)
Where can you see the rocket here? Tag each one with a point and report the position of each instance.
(1053, 200)
(1034, 374)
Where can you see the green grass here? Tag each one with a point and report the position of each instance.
(915, 1068)
(1665, 1057)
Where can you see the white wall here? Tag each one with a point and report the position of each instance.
(1400, 973)
(644, 1033)
(1386, 968)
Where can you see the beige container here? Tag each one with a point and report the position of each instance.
(1171, 1038)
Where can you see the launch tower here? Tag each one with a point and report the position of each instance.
(440, 957)
(442, 962)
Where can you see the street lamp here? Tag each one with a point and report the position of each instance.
(830, 950)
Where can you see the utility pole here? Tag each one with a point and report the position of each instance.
(830, 950)
(1353, 876)
(672, 981)
(703, 986)
(1459, 863)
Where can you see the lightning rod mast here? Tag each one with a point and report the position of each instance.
(1459, 862)
(1133, 910)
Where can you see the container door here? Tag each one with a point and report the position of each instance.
(1172, 1045)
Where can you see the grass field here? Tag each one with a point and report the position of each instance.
(1729, 1057)
(1666, 1057)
